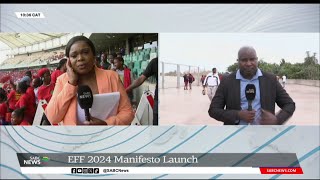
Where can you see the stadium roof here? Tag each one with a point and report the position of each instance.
(17, 40)
(103, 40)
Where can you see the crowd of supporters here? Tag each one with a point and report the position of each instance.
(19, 97)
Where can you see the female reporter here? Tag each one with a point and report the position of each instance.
(63, 107)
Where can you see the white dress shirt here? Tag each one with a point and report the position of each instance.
(212, 80)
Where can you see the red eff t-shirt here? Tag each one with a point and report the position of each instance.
(13, 99)
(55, 74)
(24, 123)
(30, 92)
(45, 92)
(3, 110)
(25, 101)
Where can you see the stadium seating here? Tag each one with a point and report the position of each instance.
(34, 59)
(139, 60)
(141, 57)
(136, 68)
(144, 65)
(134, 58)
(153, 55)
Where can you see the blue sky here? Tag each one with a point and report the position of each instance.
(220, 50)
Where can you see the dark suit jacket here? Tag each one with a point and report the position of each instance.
(225, 105)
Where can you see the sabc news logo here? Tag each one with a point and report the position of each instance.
(36, 160)
(85, 170)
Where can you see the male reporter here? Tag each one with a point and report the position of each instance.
(231, 94)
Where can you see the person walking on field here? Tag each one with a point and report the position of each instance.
(203, 77)
(212, 80)
(284, 79)
(186, 81)
(190, 79)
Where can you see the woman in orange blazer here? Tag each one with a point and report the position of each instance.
(81, 70)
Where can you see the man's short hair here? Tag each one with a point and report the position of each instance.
(26, 79)
(119, 59)
(214, 69)
(28, 73)
(62, 62)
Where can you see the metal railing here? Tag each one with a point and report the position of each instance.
(171, 74)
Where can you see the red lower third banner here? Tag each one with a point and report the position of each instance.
(281, 170)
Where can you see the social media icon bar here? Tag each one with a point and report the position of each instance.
(85, 170)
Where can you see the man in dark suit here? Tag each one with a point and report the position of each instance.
(230, 105)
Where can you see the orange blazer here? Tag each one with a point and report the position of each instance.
(62, 107)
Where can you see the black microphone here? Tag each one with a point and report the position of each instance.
(85, 99)
(250, 95)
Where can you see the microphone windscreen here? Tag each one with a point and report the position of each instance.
(250, 92)
(85, 97)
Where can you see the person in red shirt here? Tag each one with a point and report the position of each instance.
(30, 92)
(46, 89)
(124, 74)
(25, 102)
(62, 68)
(6, 87)
(17, 117)
(36, 84)
(191, 79)
(13, 97)
(3, 106)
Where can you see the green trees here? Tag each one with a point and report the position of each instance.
(233, 68)
(309, 69)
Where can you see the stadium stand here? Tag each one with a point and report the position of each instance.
(138, 60)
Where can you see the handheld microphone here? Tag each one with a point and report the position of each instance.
(250, 95)
(85, 99)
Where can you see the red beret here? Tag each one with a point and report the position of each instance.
(42, 71)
